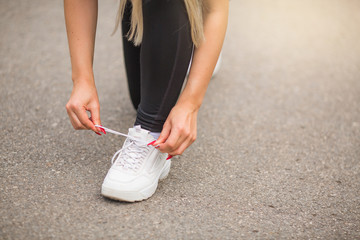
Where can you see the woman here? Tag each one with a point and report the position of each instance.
(159, 38)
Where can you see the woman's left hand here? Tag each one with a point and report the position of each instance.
(179, 130)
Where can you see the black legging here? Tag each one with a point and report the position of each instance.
(157, 68)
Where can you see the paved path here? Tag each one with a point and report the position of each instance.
(279, 132)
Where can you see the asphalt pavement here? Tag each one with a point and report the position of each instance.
(278, 148)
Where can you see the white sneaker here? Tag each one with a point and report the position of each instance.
(136, 168)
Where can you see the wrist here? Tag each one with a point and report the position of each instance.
(192, 104)
(191, 99)
(83, 79)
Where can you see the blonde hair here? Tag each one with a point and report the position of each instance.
(195, 8)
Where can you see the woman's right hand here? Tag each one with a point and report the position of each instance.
(81, 20)
(84, 98)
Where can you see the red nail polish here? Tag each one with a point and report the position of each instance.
(151, 143)
(98, 133)
(103, 130)
(169, 157)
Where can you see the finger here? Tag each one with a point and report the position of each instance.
(172, 142)
(83, 117)
(181, 148)
(163, 135)
(75, 122)
(95, 118)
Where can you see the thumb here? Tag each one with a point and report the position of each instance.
(163, 135)
(95, 117)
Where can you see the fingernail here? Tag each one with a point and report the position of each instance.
(98, 133)
(169, 157)
(151, 143)
(157, 147)
(103, 130)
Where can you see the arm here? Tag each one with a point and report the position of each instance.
(81, 19)
(179, 130)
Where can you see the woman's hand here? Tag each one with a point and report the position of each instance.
(81, 20)
(179, 130)
(84, 98)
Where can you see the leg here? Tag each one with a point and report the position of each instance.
(132, 58)
(164, 58)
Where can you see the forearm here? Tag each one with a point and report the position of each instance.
(206, 55)
(81, 19)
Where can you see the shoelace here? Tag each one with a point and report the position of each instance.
(131, 154)
(129, 137)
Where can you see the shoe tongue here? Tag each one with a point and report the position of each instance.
(138, 132)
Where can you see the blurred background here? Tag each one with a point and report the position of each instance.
(278, 149)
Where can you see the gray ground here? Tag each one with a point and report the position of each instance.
(279, 132)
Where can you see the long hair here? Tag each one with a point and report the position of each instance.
(196, 10)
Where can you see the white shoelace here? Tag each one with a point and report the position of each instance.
(130, 156)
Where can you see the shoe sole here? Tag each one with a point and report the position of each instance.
(136, 196)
